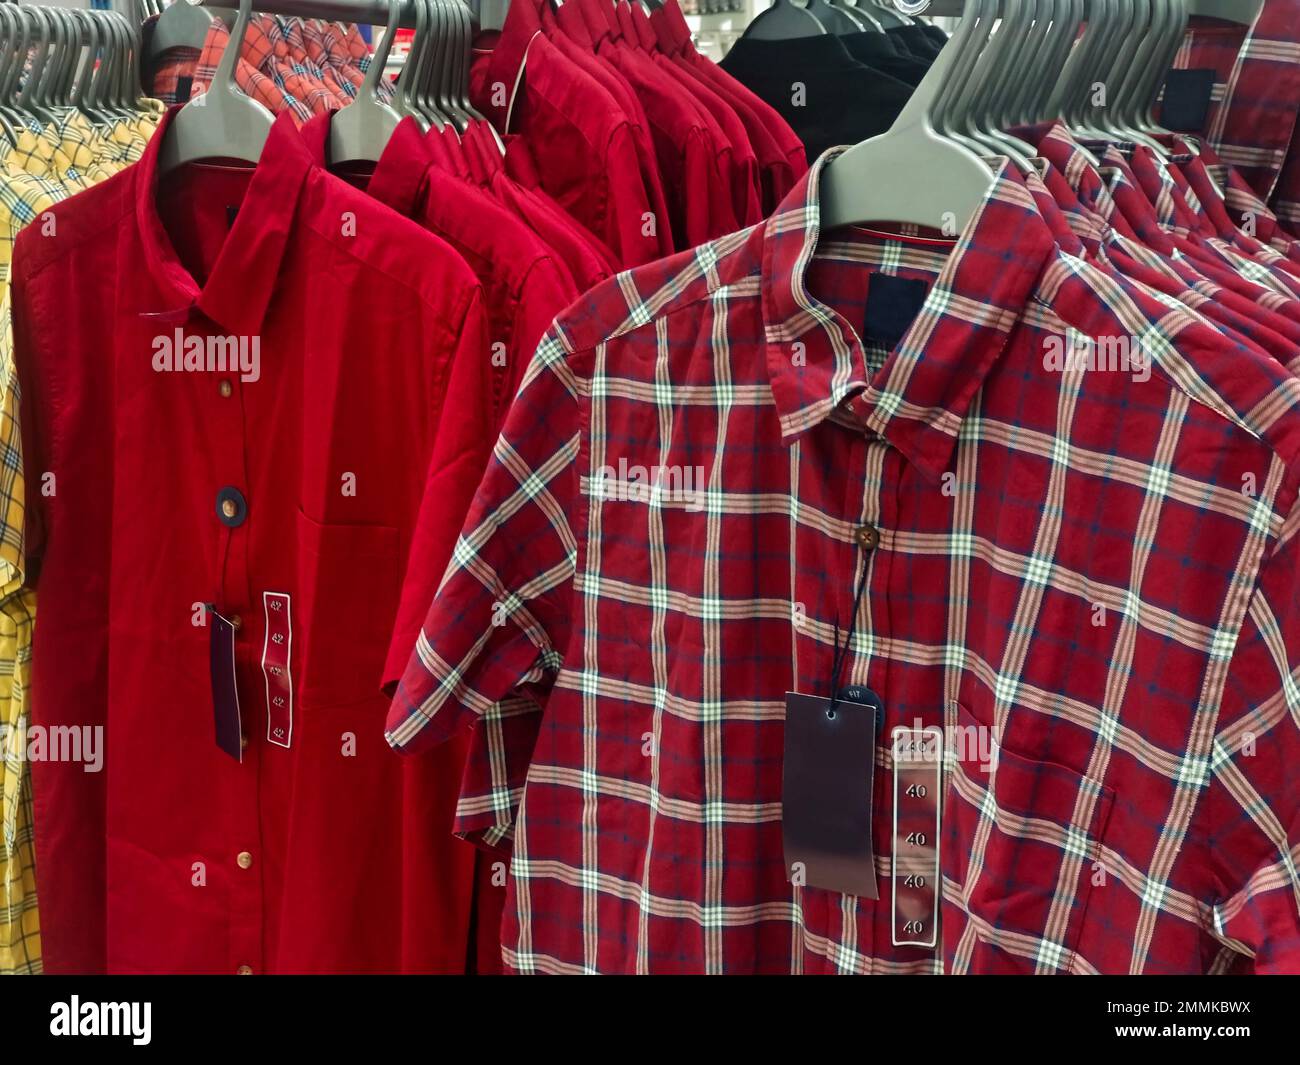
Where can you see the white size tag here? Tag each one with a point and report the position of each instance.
(276, 646)
(918, 765)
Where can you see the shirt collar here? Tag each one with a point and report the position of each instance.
(1123, 187)
(506, 59)
(238, 290)
(399, 177)
(918, 399)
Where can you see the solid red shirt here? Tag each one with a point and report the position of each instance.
(582, 143)
(671, 26)
(178, 857)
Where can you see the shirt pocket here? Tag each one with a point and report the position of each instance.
(348, 579)
(1022, 840)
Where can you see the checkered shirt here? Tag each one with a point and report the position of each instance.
(1100, 573)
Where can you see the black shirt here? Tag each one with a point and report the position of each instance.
(876, 50)
(843, 101)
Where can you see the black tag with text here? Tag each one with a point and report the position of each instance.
(830, 760)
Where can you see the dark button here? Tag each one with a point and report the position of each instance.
(867, 536)
(231, 508)
(236, 622)
(865, 697)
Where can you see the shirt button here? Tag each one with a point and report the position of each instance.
(244, 970)
(231, 507)
(867, 536)
(243, 742)
(225, 388)
(236, 622)
(245, 860)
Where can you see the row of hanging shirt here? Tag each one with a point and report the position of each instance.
(303, 66)
(67, 122)
(837, 73)
(865, 397)
(1242, 87)
(463, 257)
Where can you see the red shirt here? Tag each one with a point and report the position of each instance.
(582, 143)
(567, 30)
(782, 168)
(1059, 568)
(335, 461)
(694, 160)
(524, 285)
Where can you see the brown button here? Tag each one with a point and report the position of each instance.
(868, 536)
(229, 508)
(244, 860)
(243, 743)
(225, 388)
(244, 970)
(236, 622)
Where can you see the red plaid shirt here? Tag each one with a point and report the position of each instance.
(1252, 120)
(1102, 572)
(256, 50)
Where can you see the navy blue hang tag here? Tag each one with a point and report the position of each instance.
(1186, 104)
(892, 306)
(225, 691)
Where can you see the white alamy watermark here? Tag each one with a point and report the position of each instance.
(966, 743)
(75, 1017)
(179, 353)
(645, 484)
(1109, 354)
(54, 743)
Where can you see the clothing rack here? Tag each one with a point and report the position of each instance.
(490, 14)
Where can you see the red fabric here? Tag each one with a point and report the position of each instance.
(693, 163)
(1252, 119)
(567, 30)
(582, 144)
(588, 262)
(369, 328)
(671, 26)
(746, 185)
(639, 671)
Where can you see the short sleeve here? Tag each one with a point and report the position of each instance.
(498, 626)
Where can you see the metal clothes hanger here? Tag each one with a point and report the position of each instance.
(783, 21)
(946, 182)
(223, 122)
(361, 130)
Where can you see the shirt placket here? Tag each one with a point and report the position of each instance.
(233, 510)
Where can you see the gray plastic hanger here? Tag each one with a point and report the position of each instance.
(361, 130)
(974, 121)
(223, 122)
(1031, 65)
(45, 28)
(404, 102)
(183, 25)
(10, 118)
(910, 173)
(783, 21)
